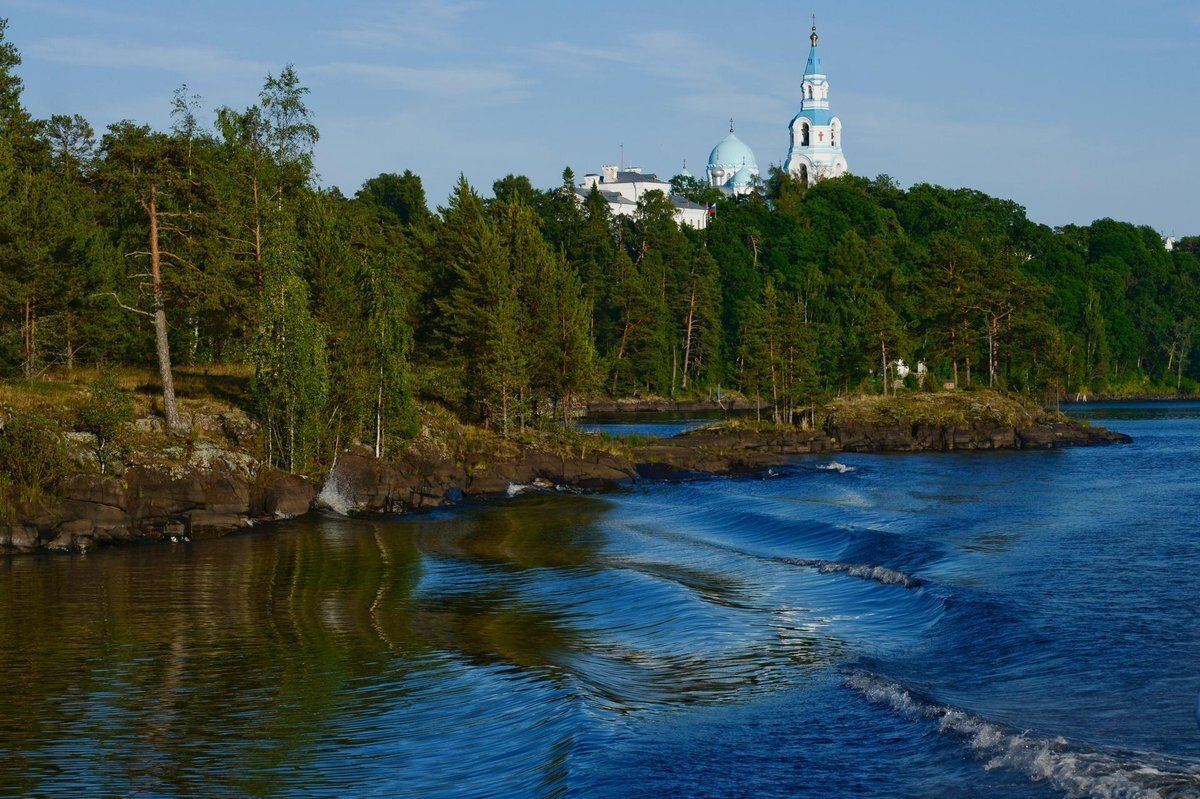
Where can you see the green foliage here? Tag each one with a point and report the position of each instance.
(509, 309)
(33, 456)
(388, 341)
(400, 196)
(106, 414)
(291, 373)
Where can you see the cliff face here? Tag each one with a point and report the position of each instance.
(155, 503)
(227, 491)
(859, 437)
(223, 495)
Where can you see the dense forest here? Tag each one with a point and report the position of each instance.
(211, 243)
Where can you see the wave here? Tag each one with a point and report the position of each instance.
(1074, 770)
(880, 574)
(333, 497)
(836, 466)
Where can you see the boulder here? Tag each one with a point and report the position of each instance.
(285, 495)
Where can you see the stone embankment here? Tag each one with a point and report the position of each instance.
(224, 494)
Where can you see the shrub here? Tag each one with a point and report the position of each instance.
(33, 455)
(106, 414)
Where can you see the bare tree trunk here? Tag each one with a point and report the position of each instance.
(687, 346)
(883, 361)
(621, 353)
(992, 353)
(291, 437)
(954, 353)
(967, 357)
(379, 416)
(504, 411)
(674, 367)
(70, 353)
(257, 221)
(29, 336)
(161, 344)
(774, 390)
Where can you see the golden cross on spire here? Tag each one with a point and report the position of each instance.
(814, 36)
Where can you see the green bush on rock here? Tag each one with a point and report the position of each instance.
(106, 414)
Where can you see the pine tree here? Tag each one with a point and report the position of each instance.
(141, 172)
(484, 315)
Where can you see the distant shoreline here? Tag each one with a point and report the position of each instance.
(1104, 399)
(219, 491)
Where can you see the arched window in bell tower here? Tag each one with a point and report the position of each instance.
(808, 91)
(804, 134)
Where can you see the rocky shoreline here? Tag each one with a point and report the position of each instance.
(729, 403)
(220, 496)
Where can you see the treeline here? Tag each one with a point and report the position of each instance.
(210, 243)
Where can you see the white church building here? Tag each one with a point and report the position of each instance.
(815, 151)
(814, 154)
(731, 166)
(814, 140)
(623, 188)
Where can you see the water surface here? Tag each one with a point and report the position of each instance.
(1021, 624)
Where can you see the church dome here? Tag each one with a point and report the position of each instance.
(733, 153)
(743, 179)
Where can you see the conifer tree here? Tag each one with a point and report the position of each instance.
(484, 314)
(141, 172)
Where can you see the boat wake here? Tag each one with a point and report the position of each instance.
(880, 574)
(1076, 771)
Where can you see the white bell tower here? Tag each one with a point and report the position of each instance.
(815, 149)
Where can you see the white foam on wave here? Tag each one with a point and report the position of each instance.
(836, 466)
(333, 497)
(518, 488)
(864, 571)
(1076, 771)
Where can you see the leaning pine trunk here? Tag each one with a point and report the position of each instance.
(161, 343)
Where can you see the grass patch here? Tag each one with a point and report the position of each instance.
(947, 409)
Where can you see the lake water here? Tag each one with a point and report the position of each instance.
(650, 424)
(1021, 624)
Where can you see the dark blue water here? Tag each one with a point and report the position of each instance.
(650, 424)
(993, 624)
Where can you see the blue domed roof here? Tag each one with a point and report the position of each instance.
(743, 178)
(731, 153)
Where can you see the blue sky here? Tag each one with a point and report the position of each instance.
(1076, 110)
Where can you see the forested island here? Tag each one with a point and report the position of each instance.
(164, 288)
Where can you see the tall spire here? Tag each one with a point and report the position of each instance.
(815, 152)
(814, 59)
